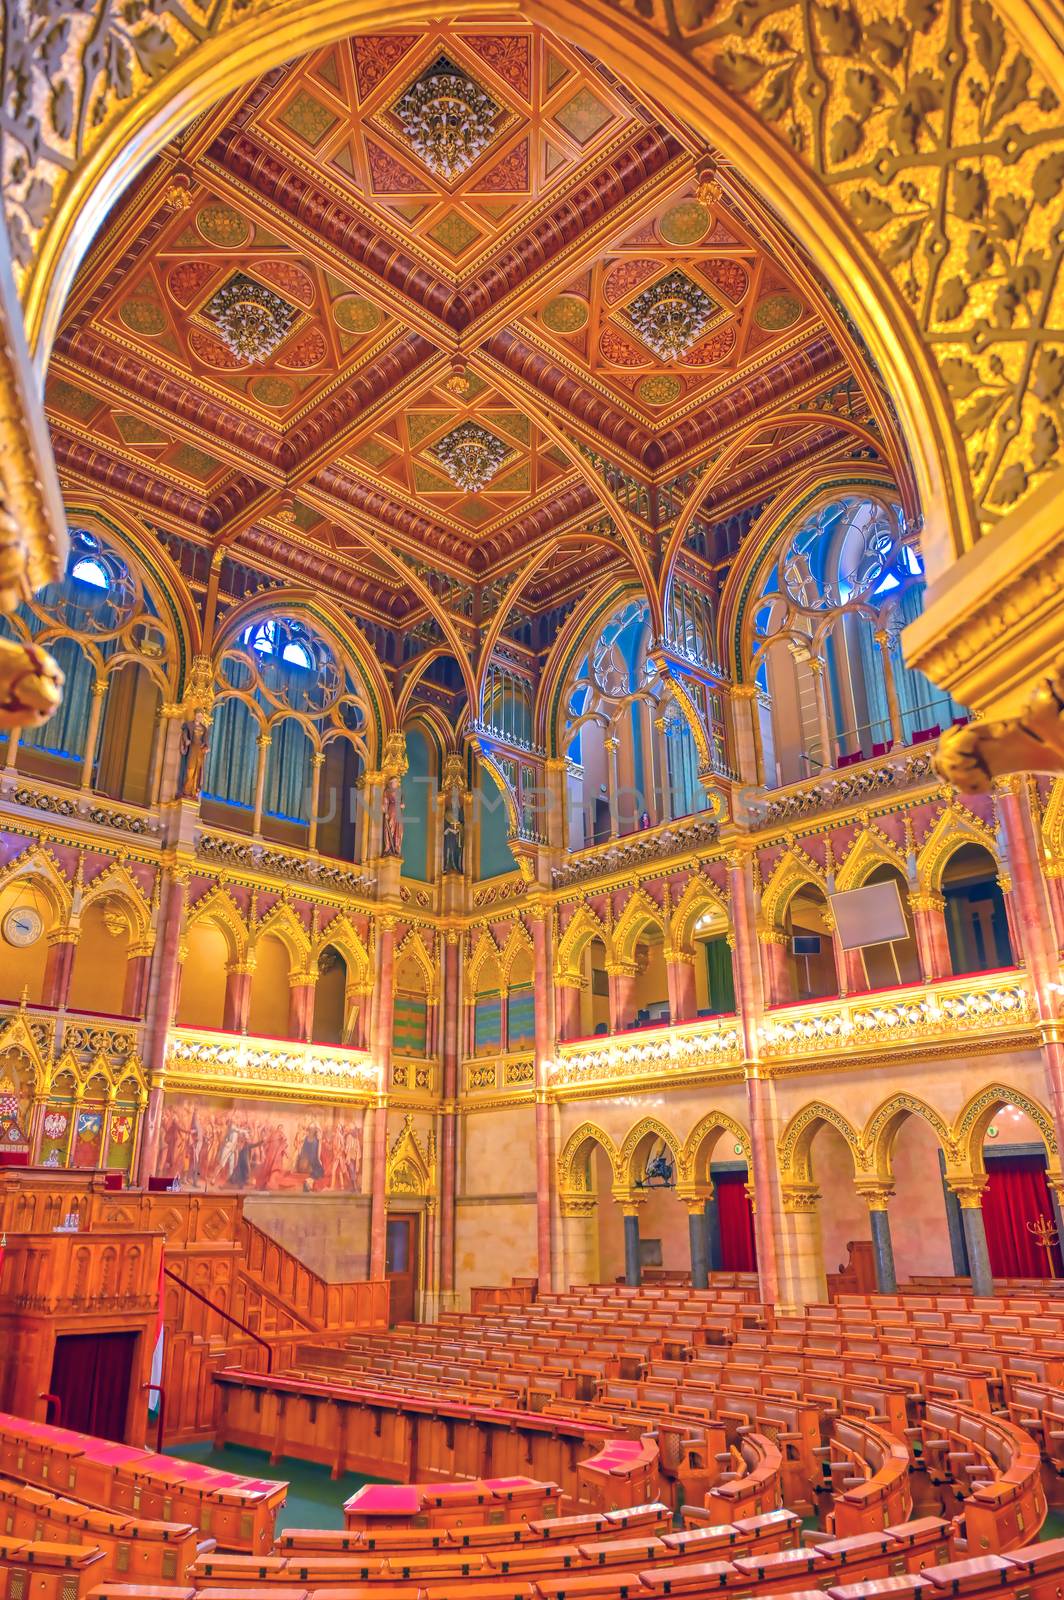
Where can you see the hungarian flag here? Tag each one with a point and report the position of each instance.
(155, 1393)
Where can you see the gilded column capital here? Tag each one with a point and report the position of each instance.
(799, 1197)
(969, 1191)
(876, 1195)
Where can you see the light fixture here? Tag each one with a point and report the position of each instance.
(470, 455)
(671, 315)
(250, 319)
(448, 119)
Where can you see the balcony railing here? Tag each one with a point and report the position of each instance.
(680, 1050)
(87, 1034)
(200, 1058)
(984, 1003)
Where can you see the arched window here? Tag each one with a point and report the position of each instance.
(826, 646)
(288, 708)
(976, 920)
(634, 759)
(104, 624)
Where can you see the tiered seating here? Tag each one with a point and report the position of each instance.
(238, 1512)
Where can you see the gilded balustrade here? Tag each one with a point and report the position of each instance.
(709, 1045)
(204, 1061)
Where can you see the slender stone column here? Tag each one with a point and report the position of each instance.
(683, 996)
(262, 744)
(162, 1000)
(317, 761)
(877, 1197)
(59, 966)
(452, 1006)
(35, 1131)
(932, 940)
(543, 1023)
(236, 1006)
(382, 1056)
(633, 1270)
(696, 1225)
(745, 724)
(99, 692)
(827, 752)
(969, 1192)
(613, 784)
(897, 732)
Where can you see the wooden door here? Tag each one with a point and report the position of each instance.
(400, 1265)
(91, 1377)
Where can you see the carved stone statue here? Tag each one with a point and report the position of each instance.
(195, 744)
(453, 831)
(392, 808)
(30, 685)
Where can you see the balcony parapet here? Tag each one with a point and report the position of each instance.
(996, 1006)
(266, 860)
(84, 1034)
(635, 850)
(681, 1050)
(35, 795)
(206, 1061)
(842, 790)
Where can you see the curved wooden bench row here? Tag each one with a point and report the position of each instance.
(995, 1469)
(380, 1506)
(157, 1552)
(752, 1488)
(237, 1511)
(654, 1518)
(870, 1483)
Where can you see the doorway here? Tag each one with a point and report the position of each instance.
(400, 1266)
(91, 1375)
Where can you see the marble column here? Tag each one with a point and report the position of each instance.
(696, 1225)
(932, 939)
(711, 1219)
(452, 1007)
(613, 784)
(633, 1270)
(543, 1025)
(621, 979)
(138, 971)
(683, 997)
(382, 1056)
(778, 976)
(969, 1194)
(59, 966)
(301, 990)
(746, 733)
(567, 1006)
(159, 1012)
(827, 751)
(877, 1197)
(236, 1006)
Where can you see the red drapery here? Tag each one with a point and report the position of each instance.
(738, 1249)
(91, 1375)
(1016, 1194)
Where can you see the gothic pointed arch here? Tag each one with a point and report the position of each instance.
(581, 928)
(978, 1112)
(954, 826)
(39, 869)
(647, 1131)
(700, 898)
(575, 1177)
(640, 912)
(883, 1125)
(411, 1168)
(118, 885)
(282, 922)
(697, 1150)
(794, 868)
(870, 848)
(412, 949)
(218, 907)
(797, 1137)
(485, 953)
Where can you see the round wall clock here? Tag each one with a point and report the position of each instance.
(23, 926)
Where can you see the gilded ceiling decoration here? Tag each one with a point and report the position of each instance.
(470, 455)
(447, 119)
(671, 315)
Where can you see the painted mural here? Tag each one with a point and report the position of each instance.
(247, 1145)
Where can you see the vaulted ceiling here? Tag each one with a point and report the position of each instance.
(558, 296)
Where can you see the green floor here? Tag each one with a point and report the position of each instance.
(314, 1499)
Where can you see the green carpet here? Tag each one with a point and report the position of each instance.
(314, 1499)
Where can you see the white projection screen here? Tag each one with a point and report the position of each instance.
(872, 915)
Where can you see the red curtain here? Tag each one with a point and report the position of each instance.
(738, 1249)
(1015, 1195)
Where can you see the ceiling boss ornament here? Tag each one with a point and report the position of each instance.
(448, 119)
(251, 320)
(470, 455)
(671, 315)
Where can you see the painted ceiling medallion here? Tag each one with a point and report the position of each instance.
(470, 455)
(671, 315)
(250, 319)
(448, 119)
